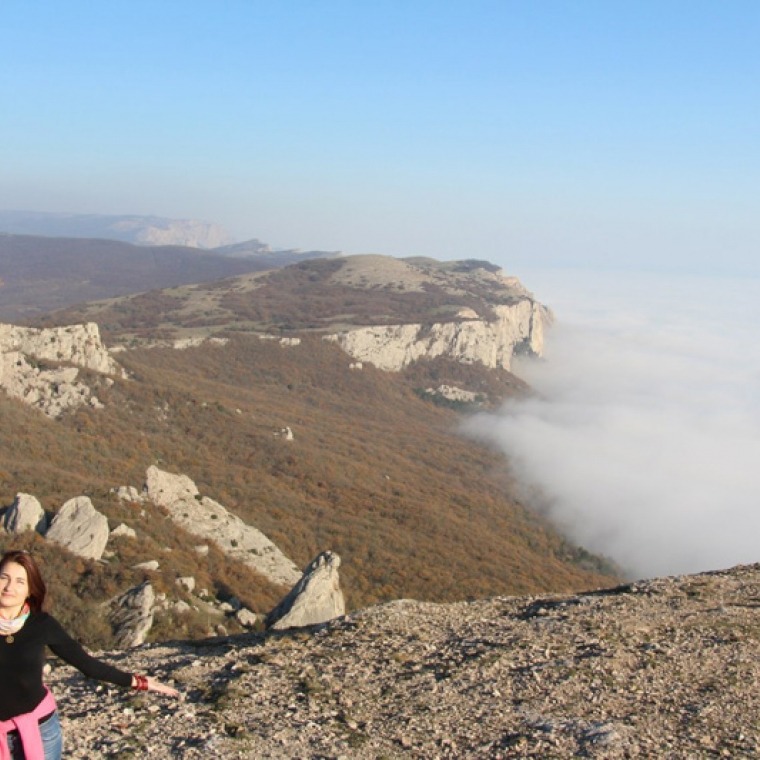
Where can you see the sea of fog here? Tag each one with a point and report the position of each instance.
(642, 441)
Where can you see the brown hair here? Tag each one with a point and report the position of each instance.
(37, 589)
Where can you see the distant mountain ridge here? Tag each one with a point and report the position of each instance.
(145, 231)
(39, 274)
(128, 228)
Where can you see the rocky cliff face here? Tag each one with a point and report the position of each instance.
(667, 668)
(54, 388)
(77, 344)
(493, 343)
(153, 231)
(468, 311)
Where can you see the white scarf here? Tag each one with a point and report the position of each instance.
(8, 627)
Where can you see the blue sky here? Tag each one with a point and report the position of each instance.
(571, 134)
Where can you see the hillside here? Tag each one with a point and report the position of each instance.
(40, 274)
(376, 471)
(315, 295)
(413, 509)
(667, 668)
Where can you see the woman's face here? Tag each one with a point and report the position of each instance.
(14, 586)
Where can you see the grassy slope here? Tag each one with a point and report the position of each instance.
(375, 473)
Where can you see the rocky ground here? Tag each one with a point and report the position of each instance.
(667, 668)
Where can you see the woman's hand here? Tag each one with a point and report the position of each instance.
(148, 683)
(161, 688)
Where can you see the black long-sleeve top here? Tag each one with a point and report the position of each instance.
(22, 660)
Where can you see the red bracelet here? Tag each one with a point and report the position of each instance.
(141, 682)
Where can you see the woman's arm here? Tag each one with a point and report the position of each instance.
(72, 652)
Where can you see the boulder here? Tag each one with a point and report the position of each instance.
(285, 433)
(165, 489)
(315, 599)
(186, 582)
(80, 528)
(208, 520)
(246, 618)
(128, 493)
(26, 513)
(131, 615)
(124, 530)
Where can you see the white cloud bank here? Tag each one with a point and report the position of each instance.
(643, 441)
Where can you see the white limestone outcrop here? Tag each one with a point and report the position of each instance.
(315, 599)
(80, 528)
(518, 326)
(54, 389)
(131, 615)
(124, 531)
(26, 513)
(453, 393)
(246, 618)
(207, 519)
(189, 232)
(128, 493)
(77, 344)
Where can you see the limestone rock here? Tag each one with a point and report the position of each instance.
(518, 327)
(26, 513)
(78, 344)
(209, 520)
(246, 617)
(316, 598)
(55, 389)
(131, 615)
(186, 582)
(165, 489)
(151, 565)
(128, 493)
(80, 528)
(453, 393)
(180, 344)
(156, 231)
(52, 391)
(124, 530)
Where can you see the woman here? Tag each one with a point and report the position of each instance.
(29, 726)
